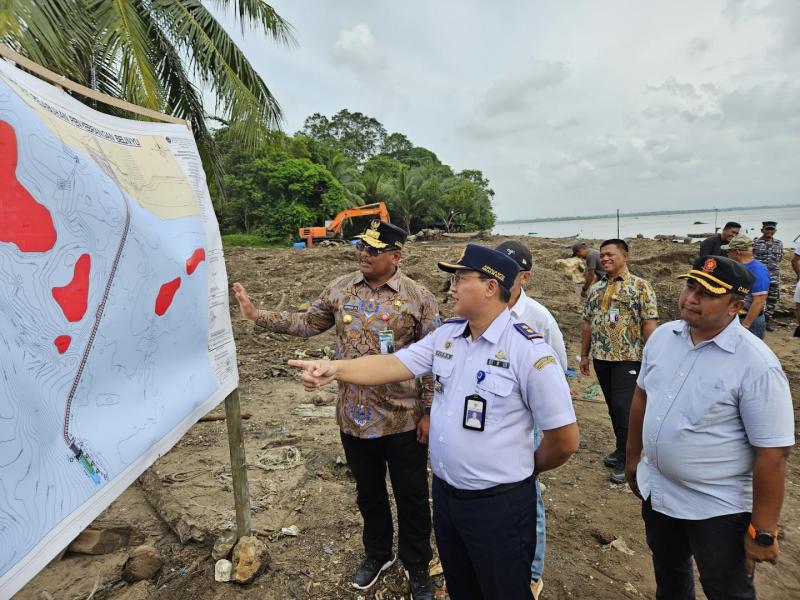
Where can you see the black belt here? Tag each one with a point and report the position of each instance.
(485, 493)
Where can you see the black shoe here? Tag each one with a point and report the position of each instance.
(611, 460)
(618, 473)
(420, 583)
(368, 572)
(797, 331)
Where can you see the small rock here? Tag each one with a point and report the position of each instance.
(249, 559)
(292, 530)
(143, 563)
(603, 536)
(105, 541)
(340, 460)
(224, 545)
(304, 307)
(327, 548)
(222, 570)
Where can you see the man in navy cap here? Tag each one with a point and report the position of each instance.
(375, 310)
(493, 379)
(769, 251)
(713, 413)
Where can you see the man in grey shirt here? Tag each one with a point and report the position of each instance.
(594, 271)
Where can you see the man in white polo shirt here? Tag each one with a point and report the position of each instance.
(527, 310)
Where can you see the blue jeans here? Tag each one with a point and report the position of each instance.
(537, 566)
(759, 326)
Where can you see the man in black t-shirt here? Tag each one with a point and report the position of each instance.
(712, 246)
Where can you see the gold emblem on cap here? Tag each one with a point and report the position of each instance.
(501, 354)
(375, 224)
(710, 265)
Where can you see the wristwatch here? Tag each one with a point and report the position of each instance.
(762, 537)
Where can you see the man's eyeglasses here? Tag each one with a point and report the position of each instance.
(362, 247)
(458, 277)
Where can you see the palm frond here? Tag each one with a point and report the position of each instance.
(217, 61)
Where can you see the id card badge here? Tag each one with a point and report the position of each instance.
(613, 315)
(474, 412)
(386, 339)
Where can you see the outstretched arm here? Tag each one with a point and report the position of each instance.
(318, 318)
(375, 369)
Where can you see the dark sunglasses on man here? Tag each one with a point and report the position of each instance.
(361, 247)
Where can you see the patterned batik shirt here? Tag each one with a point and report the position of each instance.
(359, 314)
(769, 252)
(615, 311)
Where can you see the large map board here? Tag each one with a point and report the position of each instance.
(115, 334)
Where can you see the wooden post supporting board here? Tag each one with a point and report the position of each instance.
(241, 490)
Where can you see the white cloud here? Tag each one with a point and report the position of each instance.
(357, 48)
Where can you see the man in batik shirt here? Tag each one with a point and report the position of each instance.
(376, 310)
(619, 315)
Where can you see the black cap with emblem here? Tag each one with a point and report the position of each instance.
(720, 275)
(769, 225)
(517, 251)
(487, 261)
(381, 234)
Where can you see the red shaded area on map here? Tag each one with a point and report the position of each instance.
(23, 221)
(62, 342)
(72, 298)
(166, 294)
(195, 259)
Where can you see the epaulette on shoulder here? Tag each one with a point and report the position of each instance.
(527, 331)
(455, 320)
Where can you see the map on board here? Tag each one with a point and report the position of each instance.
(115, 335)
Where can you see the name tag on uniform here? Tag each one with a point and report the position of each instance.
(474, 412)
(386, 339)
(503, 364)
(443, 354)
(350, 307)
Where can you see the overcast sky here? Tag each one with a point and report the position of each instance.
(568, 108)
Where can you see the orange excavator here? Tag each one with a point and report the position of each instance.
(333, 228)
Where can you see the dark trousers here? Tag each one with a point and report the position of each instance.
(408, 469)
(486, 544)
(717, 545)
(618, 381)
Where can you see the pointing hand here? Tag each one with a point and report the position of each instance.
(248, 310)
(316, 373)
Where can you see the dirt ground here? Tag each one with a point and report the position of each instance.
(297, 476)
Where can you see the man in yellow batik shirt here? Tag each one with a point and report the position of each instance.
(619, 315)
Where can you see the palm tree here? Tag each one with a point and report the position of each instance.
(343, 168)
(158, 54)
(407, 198)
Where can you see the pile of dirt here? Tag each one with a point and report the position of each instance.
(595, 549)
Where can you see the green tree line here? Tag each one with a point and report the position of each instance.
(287, 182)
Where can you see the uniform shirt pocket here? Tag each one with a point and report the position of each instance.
(496, 388)
(442, 371)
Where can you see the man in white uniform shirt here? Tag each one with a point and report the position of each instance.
(484, 496)
(527, 310)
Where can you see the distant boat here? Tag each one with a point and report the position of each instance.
(699, 223)
(572, 237)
